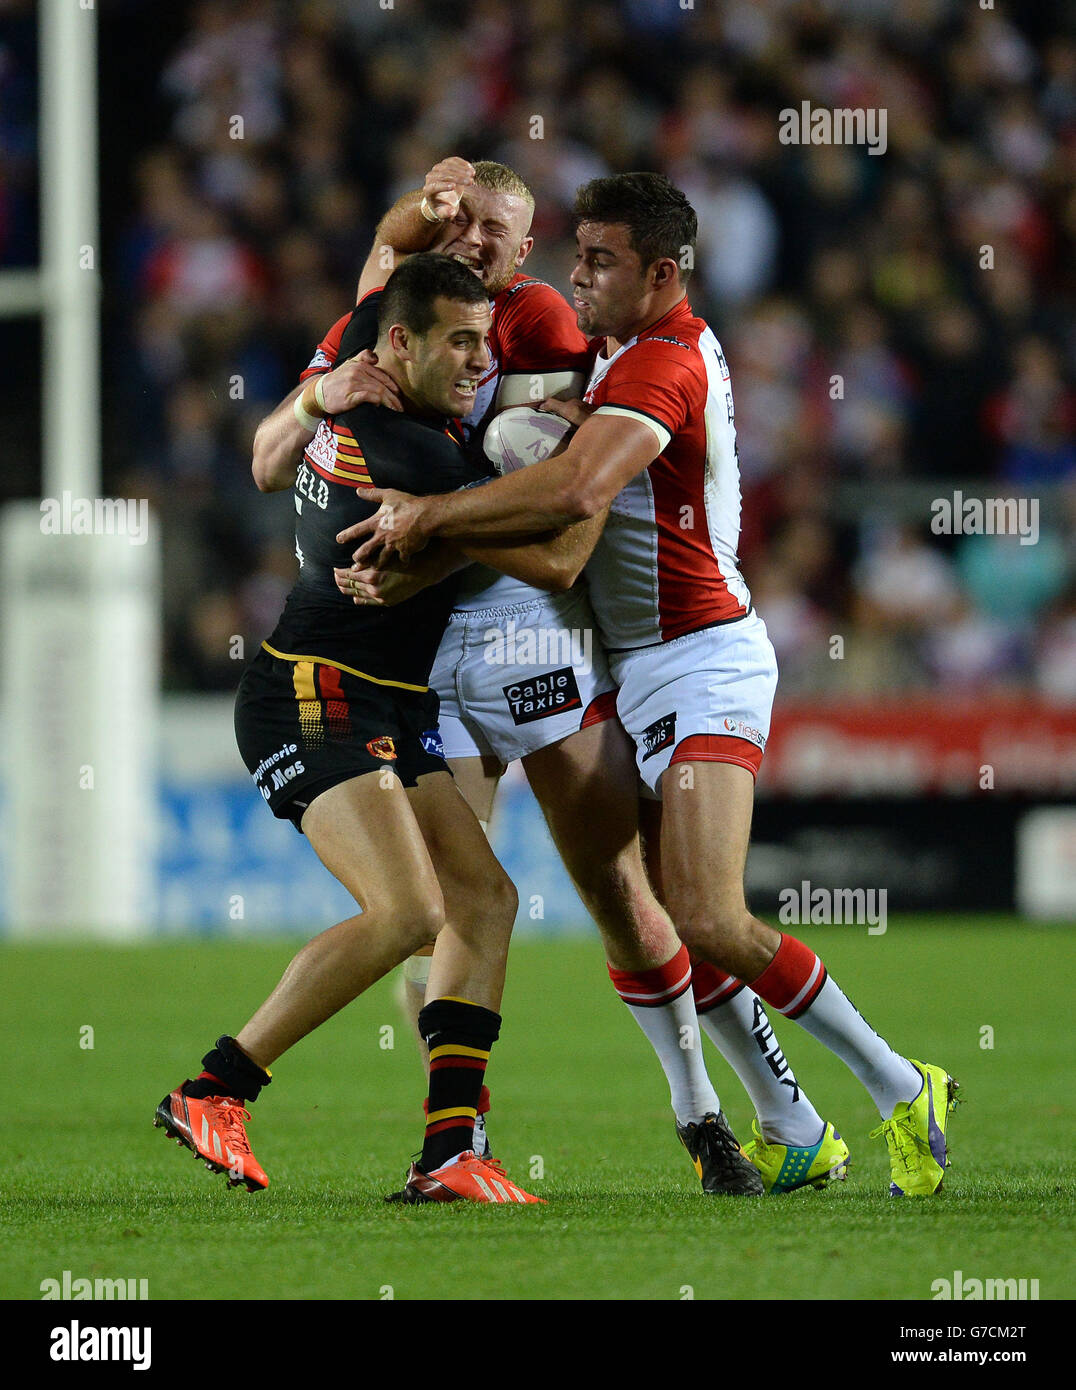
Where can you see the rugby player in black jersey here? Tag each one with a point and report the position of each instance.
(339, 730)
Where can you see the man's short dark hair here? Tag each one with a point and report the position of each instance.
(410, 295)
(660, 220)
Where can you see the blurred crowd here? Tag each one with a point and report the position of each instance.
(897, 325)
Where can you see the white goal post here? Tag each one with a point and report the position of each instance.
(79, 607)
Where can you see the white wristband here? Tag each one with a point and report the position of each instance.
(319, 393)
(308, 421)
(416, 970)
(427, 212)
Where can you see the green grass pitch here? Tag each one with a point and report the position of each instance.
(90, 1187)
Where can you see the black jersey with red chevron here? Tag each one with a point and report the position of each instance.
(367, 447)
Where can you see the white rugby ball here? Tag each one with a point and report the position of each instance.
(521, 436)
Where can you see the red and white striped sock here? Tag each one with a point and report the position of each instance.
(796, 984)
(661, 1003)
(733, 1018)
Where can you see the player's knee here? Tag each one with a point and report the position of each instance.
(482, 904)
(420, 918)
(711, 927)
(501, 901)
(608, 885)
(422, 930)
(626, 911)
(492, 902)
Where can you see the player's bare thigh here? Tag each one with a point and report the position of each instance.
(477, 779)
(587, 786)
(366, 834)
(705, 831)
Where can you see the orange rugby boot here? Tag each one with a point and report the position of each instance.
(468, 1178)
(212, 1128)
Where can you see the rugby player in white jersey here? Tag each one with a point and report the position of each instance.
(576, 757)
(655, 447)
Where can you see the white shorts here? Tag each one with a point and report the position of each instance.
(705, 697)
(515, 679)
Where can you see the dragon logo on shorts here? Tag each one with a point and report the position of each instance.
(382, 747)
(659, 735)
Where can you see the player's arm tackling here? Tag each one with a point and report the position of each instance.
(552, 562)
(605, 453)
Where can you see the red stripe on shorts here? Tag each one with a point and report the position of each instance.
(601, 708)
(718, 748)
(331, 690)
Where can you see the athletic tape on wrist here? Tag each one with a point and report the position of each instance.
(308, 422)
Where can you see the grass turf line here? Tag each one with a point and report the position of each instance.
(92, 1188)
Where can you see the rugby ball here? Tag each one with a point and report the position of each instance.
(521, 436)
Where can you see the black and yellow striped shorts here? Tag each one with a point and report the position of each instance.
(304, 725)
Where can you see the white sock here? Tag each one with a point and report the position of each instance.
(741, 1031)
(662, 1005)
(835, 1021)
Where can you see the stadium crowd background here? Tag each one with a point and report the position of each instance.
(225, 260)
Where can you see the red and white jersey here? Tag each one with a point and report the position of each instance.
(533, 332)
(666, 562)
